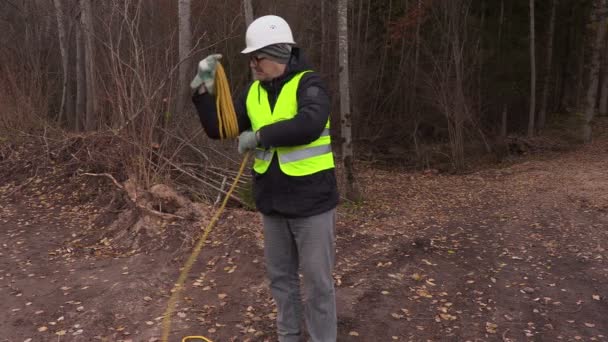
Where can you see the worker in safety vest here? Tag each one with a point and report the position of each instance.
(283, 118)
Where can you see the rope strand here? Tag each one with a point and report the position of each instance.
(228, 128)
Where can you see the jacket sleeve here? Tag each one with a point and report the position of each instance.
(207, 113)
(308, 123)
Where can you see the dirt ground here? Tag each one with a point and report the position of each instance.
(510, 253)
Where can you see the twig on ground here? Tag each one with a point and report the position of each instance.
(106, 175)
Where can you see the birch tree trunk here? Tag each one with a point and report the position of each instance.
(598, 15)
(352, 190)
(64, 57)
(89, 60)
(248, 9)
(532, 72)
(542, 115)
(185, 45)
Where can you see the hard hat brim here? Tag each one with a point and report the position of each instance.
(248, 50)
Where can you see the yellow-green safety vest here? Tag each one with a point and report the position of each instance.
(300, 160)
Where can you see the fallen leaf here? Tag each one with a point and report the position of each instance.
(424, 293)
(447, 317)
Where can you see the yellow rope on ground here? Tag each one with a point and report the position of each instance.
(228, 126)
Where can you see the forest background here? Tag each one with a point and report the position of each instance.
(432, 84)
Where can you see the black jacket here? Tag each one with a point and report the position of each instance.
(276, 193)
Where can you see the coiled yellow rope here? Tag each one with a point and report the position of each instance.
(226, 116)
(228, 127)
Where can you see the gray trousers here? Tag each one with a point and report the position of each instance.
(306, 245)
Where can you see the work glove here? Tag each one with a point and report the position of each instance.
(247, 141)
(206, 73)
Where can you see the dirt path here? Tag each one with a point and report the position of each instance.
(510, 254)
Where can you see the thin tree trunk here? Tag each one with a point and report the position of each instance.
(598, 15)
(81, 83)
(532, 72)
(503, 125)
(542, 115)
(185, 45)
(461, 114)
(71, 84)
(357, 46)
(603, 109)
(580, 80)
(323, 41)
(89, 60)
(480, 58)
(501, 21)
(64, 57)
(416, 59)
(248, 8)
(566, 87)
(352, 191)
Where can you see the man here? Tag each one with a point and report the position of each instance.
(283, 118)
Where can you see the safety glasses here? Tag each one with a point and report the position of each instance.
(256, 59)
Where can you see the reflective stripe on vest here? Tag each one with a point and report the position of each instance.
(296, 160)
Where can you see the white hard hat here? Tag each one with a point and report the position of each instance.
(267, 30)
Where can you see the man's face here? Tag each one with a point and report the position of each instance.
(264, 68)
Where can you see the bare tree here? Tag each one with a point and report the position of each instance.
(598, 17)
(89, 60)
(531, 118)
(64, 55)
(454, 69)
(185, 47)
(352, 189)
(542, 115)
